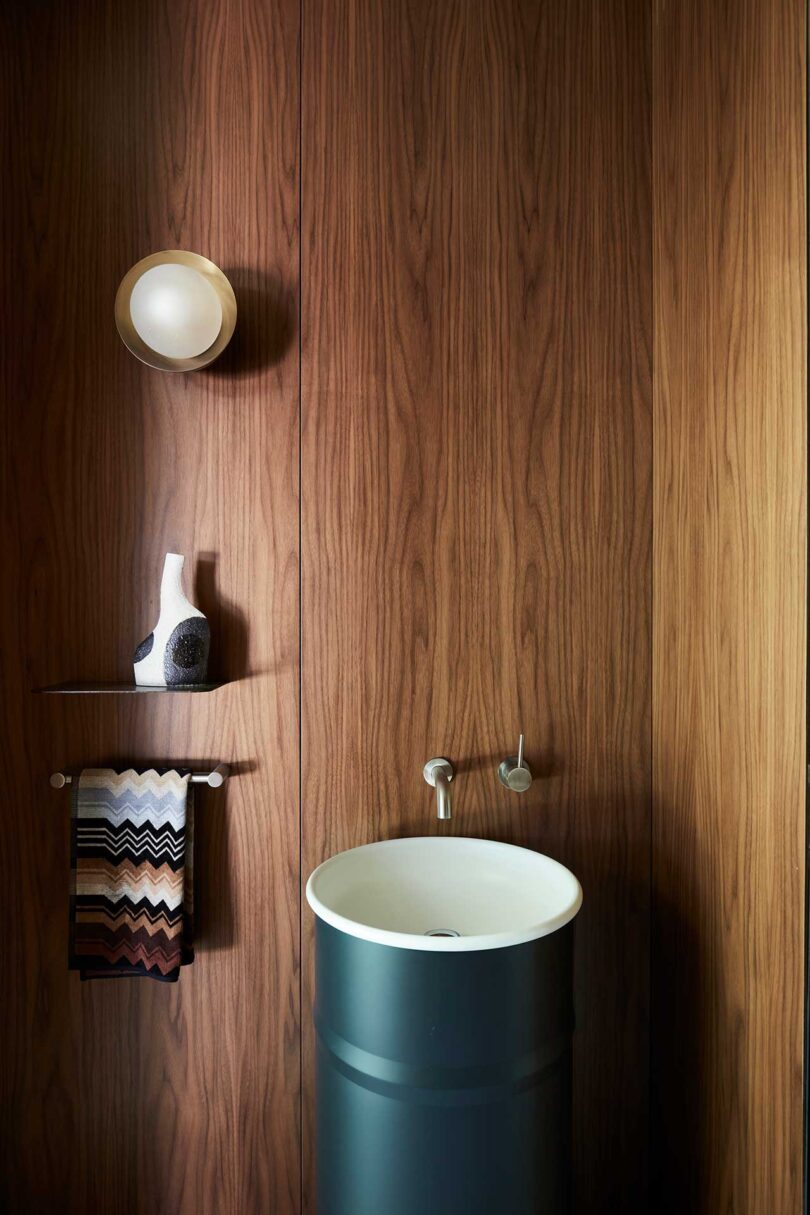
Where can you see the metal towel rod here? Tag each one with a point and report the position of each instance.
(214, 778)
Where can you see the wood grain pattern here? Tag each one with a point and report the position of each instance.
(729, 606)
(130, 128)
(477, 514)
(476, 497)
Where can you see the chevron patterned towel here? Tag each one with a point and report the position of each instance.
(131, 868)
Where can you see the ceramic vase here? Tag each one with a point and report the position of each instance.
(176, 651)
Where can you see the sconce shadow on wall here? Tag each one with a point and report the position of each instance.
(268, 323)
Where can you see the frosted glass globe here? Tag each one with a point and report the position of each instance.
(175, 311)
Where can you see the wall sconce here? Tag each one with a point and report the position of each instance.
(175, 311)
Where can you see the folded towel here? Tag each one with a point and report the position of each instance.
(131, 869)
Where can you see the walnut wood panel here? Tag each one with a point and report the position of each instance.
(729, 608)
(476, 466)
(129, 128)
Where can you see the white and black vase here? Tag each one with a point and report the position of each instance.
(176, 651)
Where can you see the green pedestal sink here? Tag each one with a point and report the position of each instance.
(444, 1020)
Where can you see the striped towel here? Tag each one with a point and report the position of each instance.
(131, 869)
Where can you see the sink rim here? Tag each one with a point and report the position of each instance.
(434, 944)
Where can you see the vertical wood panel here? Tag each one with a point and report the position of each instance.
(476, 260)
(131, 128)
(729, 607)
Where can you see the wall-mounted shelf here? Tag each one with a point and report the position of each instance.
(73, 689)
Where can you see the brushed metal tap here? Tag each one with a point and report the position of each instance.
(514, 772)
(439, 773)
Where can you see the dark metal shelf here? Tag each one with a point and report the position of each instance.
(72, 689)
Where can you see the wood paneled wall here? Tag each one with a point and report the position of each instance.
(729, 609)
(501, 203)
(130, 128)
(476, 470)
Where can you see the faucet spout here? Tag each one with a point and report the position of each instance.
(443, 802)
(439, 773)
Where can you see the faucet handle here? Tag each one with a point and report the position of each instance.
(443, 766)
(514, 772)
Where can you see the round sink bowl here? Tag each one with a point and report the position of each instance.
(445, 894)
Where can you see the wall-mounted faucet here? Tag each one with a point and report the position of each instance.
(439, 773)
(514, 772)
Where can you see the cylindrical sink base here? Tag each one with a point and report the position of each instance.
(443, 1079)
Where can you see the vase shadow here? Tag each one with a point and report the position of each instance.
(229, 627)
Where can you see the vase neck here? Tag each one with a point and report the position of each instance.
(171, 586)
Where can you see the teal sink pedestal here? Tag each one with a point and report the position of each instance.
(444, 1062)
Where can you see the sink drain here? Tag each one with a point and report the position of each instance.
(441, 932)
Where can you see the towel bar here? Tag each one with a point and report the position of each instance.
(215, 778)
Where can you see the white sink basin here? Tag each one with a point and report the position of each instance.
(492, 895)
